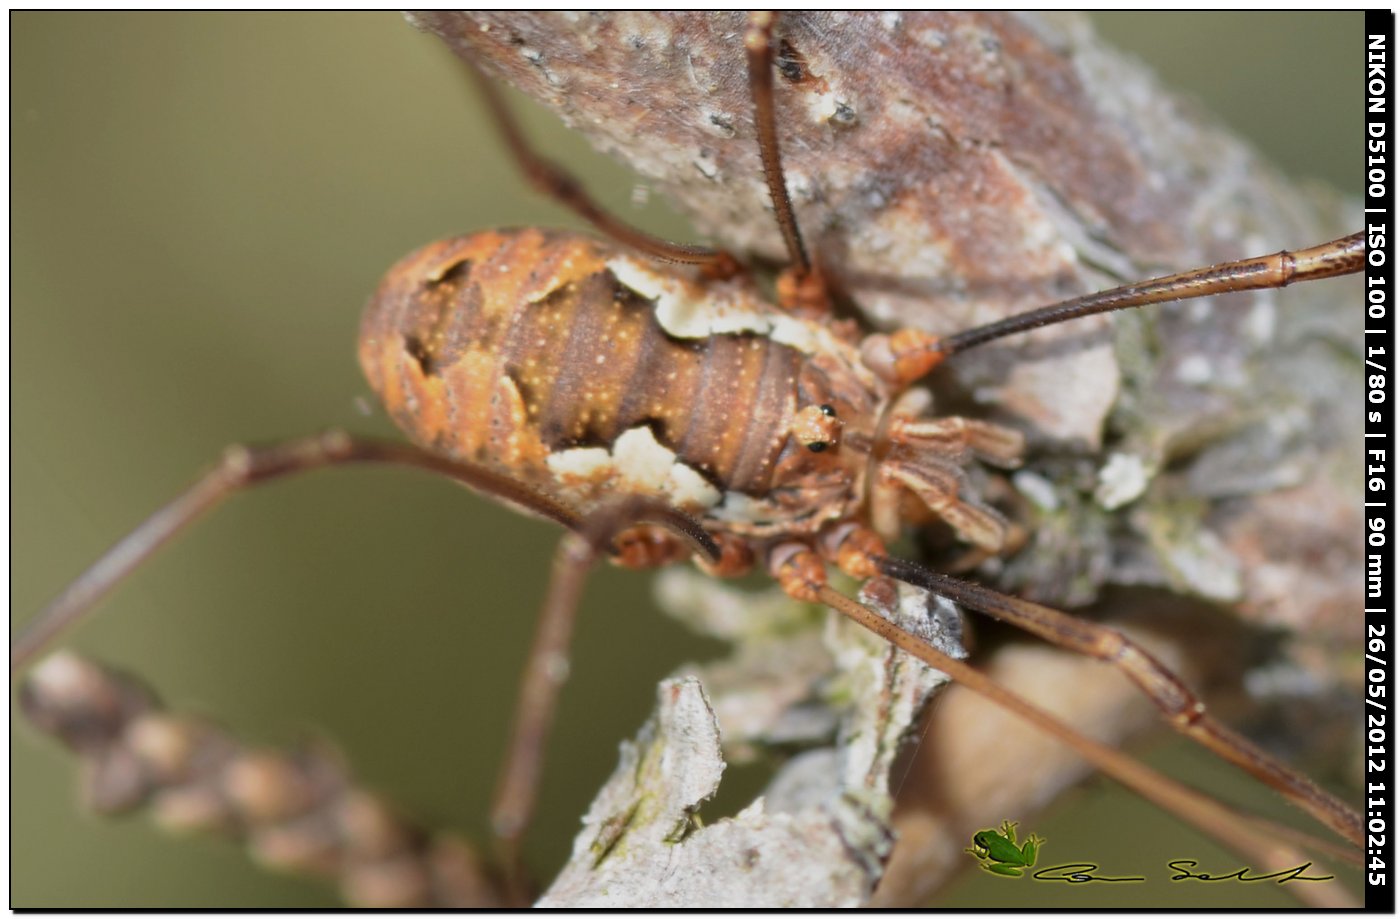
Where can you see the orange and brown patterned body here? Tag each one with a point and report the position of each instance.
(588, 372)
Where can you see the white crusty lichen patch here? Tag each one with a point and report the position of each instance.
(638, 464)
(820, 835)
(1122, 480)
(688, 310)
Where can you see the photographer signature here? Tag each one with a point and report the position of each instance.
(1084, 873)
(1001, 854)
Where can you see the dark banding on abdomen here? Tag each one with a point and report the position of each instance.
(542, 315)
(592, 362)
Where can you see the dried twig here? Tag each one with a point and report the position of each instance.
(296, 811)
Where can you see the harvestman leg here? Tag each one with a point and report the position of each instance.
(1184, 710)
(908, 354)
(1263, 842)
(758, 44)
(547, 666)
(800, 287)
(802, 574)
(555, 182)
(243, 467)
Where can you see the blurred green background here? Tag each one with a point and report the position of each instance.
(200, 205)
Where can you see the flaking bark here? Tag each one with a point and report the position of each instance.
(820, 836)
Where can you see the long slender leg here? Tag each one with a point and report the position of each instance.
(941, 486)
(546, 669)
(1183, 709)
(801, 573)
(552, 180)
(860, 553)
(1263, 842)
(959, 439)
(907, 354)
(242, 467)
(1329, 260)
(758, 42)
(801, 287)
(547, 666)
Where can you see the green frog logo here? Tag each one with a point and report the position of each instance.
(999, 853)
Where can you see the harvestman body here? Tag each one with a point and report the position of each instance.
(659, 415)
